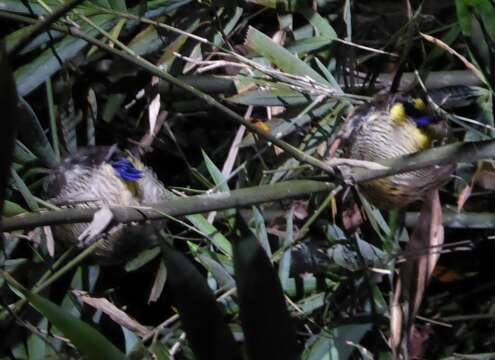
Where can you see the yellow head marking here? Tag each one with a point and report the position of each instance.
(422, 138)
(419, 104)
(398, 113)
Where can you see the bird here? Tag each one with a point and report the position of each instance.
(394, 125)
(104, 176)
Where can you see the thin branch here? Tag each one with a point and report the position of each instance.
(448, 154)
(176, 207)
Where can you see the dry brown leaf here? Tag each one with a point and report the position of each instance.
(159, 283)
(422, 253)
(101, 219)
(50, 242)
(423, 249)
(396, 320)
(113, 312)
(334, 147)
(333, 207)
(463, 197)
(229, 163)
(446, 47)
(154, 108)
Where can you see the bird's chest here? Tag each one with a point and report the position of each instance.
(380, 138)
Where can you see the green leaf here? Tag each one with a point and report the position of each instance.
(220, 182)
(216, 237)
(337, 345)
(168, 56)
(309, 44)
(280, 56)
(142, 259)
(24, 190)
(33, 135)
(13, 38)
(146, 41)
(233, 19)
(201, 318)
(268, 328)
(11, 209)
(274, 97)
(215, 173)
(22, 154)
(86, 339)
(113, 104)
(311, 303)
(285, 261)
(376, 219)
(283, 127)
(118, 5)
(260, 231)
(166, 5)
(321, 25)
(159, 350)
(17, 6)
(37, 346)
(464, 16)
(283, 5)
(217, 269)
(347, 256)
(30, 76)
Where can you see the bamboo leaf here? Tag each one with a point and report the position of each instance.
(86, 339)
(280, 56)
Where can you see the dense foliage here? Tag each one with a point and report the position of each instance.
(240, 102)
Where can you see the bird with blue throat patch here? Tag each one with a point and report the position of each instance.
(390, 126)
(104, 176)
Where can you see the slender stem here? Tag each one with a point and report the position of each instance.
(51, 115)
(176, 207)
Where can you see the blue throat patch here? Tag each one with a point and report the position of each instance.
(419, 116)
(126, 170)
(426, 120)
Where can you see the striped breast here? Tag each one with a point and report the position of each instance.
(378, 138)
(88, 180)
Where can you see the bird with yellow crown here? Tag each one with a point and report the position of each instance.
(103, 176)
(394, 125)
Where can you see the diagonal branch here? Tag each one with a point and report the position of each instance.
(448, 154)
(458, 152)
(178, 206)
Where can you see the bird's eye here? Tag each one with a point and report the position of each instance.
(126, 170)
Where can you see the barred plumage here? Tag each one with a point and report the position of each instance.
(95, 177)
(373, 134)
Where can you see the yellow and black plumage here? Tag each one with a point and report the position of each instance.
(103, 176)
(392, 126)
